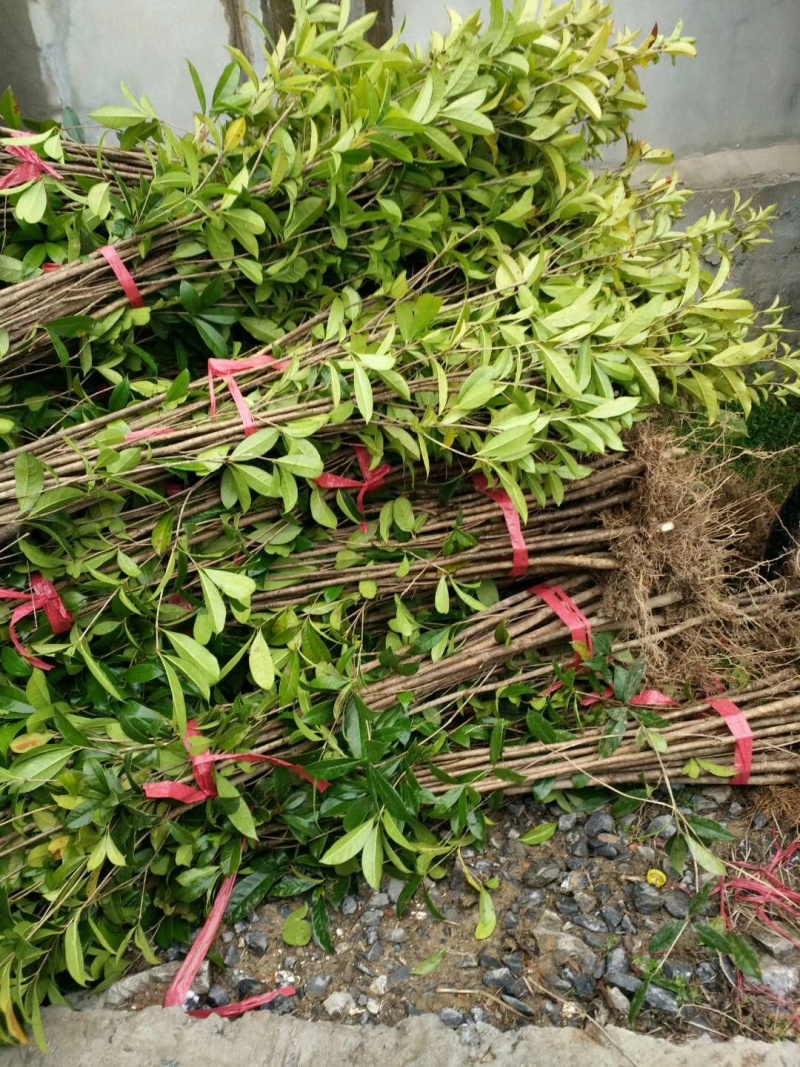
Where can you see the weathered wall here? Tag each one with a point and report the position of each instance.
(732, 117)
(743, 93)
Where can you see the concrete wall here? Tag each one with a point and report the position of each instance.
(742, 94)
(732, 116)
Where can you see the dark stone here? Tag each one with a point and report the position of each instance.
(541, 873)
(217, 996)
(250, 987)
(661, 826)
(256, 942)
(678, 970)
(515, 963)
(584, 986)
(518, 1005)
(595, 926)
(676, 903)
(608, 852)
(319, 984)
(375, 952)
(622, 980)
(580, 848)
(500, 978)
(398, 976)
(617, 960)
(612, 917)
(600, 822)
(451, 1017)
(567, 821)
(566, 906)
(231, 956)
(488, 960)
(371, 918)
(646, 898)
(706, 973)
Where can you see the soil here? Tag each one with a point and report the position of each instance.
(575, 916)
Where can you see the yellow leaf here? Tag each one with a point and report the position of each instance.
(235, 133)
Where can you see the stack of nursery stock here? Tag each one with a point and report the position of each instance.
(313, 424)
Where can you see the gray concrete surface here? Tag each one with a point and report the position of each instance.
(742, 93)
(167, 1038)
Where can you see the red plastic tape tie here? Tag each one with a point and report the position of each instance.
(568, 611)
(654, 698)
(740, 728)
(513, 523)
(43, 597)
(31, 169)
(227, 370)
(203, 771)
(150, 434)
(123, 275)
(372, 480)
(181, 986)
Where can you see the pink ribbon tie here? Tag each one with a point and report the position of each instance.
(227, 370)
(372, 480)
(43, 597)
(513, 523)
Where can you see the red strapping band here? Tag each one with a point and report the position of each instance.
(123, 275)
(203, 771)
(226, 370)
(148, 435)
(31, 169)
(568, 611)
(372, 480)
(740, 728)
(511, 516)
(654, 698)
(43, 597)
(181, 986)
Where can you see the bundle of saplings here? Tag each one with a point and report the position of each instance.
(317, 428)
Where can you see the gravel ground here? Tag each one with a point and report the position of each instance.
(574, 919)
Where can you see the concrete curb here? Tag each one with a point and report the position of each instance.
(159, 1037)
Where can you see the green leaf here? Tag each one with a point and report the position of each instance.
(115, 117)
(539, 834)
(320, 924)
(442, 598)
(488, 916)
(348, 846)
(363, 390)
(73, 952)
(297, 929)
(429, 965)
(215, 605)
(233, 584)
(744, 956)
(707, 860)
(32, 205)
(260, 661)
(372, 859)
(305, 214)
(100, 672)
(666, 936)
(99, 199)
(256, 445)
(235, 808)
(712, 938)
(28, 480)
(192, 653)
(178, 700)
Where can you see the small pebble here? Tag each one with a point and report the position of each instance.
(541, 873)
(379, 900)
(488, 960)
(217, 996)
(599, 823)
(371, 918)
(470, 962)
(230, 956)
(349, 906)
(518, 1005)
(619, 1002)
(250, 987)
(375, 952)
(676, 903)
(394, 889)
(645, 898)
(338, 1004)
(256, 942)
(567, 821)
(397, 936)
(705, 973)
(500, 978)
(319, 984)
(451, 1017)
